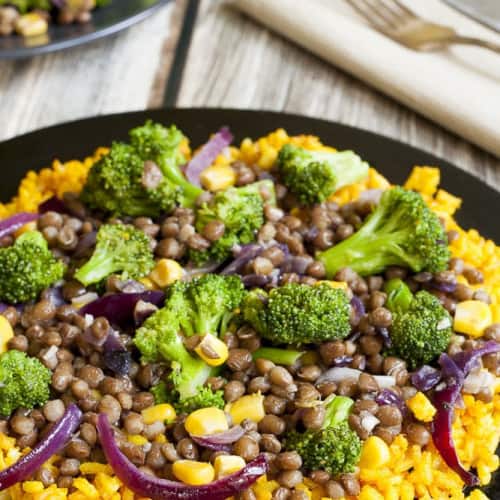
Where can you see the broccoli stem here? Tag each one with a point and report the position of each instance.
(347, 167)
(96, 269)
(399, 295)
(278, 356)
(337, 411)
(189, 191)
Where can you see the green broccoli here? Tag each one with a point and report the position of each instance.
(25, 5)
(142, 178)
(421, 327)
(27, 267)
(294, 314)
(203, 305)
(401, 231)
(279, 356)
(24, 382)
(121, 249)
(242, 212)
(335, 448)
(205, 398)
(314, 175)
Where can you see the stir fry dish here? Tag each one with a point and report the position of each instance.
(268, 321)
(31, 18)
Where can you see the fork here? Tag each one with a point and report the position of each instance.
(395, 20)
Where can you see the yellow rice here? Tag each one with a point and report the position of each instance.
(412, 471)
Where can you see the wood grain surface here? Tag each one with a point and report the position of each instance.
(231, 62)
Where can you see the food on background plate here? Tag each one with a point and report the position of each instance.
(268, 321)
(30, 18)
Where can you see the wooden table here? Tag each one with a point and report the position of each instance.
(202, 53)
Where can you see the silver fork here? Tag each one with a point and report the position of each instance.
(395, 20)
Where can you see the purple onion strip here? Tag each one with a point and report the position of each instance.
(163, 489)
(12, 224)
(220, 441)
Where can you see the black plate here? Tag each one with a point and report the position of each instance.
(392, 158)
(120, 14)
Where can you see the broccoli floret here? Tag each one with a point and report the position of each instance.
(335, 448)
(421, 327)
(205, 398)
(314, 175)
(200, 306)
(142, 178)
(27, 267)
(401, 231)
(120, 249)
(242, 212)
(294, 314)
(24, 382)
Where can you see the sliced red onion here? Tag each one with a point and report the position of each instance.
(425, 378)
(55, 296)
(53, 204)
(339, 373)
(162, 489)
(12, 224)
(295, 264)
(207, 154)
(256, 280)
(190, 271)
(118, 308)
(384, 333)
(478, 380)
(53, 442)
(368, 421)
(3, 307)
(388, 397)
(358, 307)
(220, 441)
(443, 286)
(467, 360)
(371, 196)
(342, 360)
(245, 254)
(115, 355)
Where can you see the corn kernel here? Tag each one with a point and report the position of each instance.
(192, 472)
(218, 177)
(206, 421)
(334, 284)
(31, 24)
(88, 489)
(225, 465)
(33, 486)
(162, 412)
(370, 493)
(137, 439)
(250, 406)
(375, 453)
(166, 272)
(95, 468)
(472, 317)
(6, 333)
(212, 350)
(421, 407)
(148, 284)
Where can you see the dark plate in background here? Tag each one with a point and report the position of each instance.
(118, 15)
(392, 158)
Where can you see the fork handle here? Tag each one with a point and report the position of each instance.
(468, 40)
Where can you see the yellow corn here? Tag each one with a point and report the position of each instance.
(31, 24)
(472, 317)
(163, 412)
(218, 177)
(94, 468)
(225, 465)
(88, 489)
(206, 421)
(166, 272)
(192, 472)
(33, 486)
(250, 406)
(6, 333)
(212, 350)
(161, 438)
(375, 453)
(334, 284)
(421, 407)
(137, 439)
(369, 493)
(148, 284)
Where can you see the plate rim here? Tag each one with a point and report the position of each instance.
(27, 52)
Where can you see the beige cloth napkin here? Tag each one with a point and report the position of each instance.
(458, 88)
